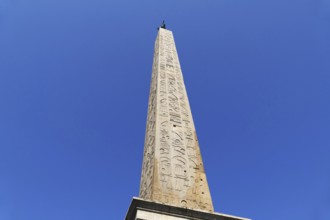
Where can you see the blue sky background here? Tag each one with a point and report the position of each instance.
(74, 84)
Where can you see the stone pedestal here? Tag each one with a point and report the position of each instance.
(146, 210)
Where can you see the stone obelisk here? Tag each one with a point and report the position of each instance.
(173, 171)
(173, 181)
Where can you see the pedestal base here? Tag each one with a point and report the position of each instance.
(146, 210)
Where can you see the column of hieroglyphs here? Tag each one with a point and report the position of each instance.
(172, 172)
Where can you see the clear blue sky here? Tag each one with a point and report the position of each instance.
(74, 84)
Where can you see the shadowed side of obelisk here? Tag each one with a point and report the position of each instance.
(147, 175)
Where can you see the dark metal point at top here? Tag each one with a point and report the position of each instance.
(163, 25)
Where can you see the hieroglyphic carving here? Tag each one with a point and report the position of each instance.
(173, 171)
(165, 171)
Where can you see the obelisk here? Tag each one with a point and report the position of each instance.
(173, 181)
(173, 171)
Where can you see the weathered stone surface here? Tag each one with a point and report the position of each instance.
(173, 171)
